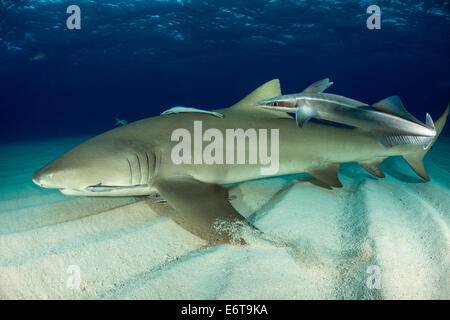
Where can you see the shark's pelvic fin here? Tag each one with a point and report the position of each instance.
(393, 105)
(319, 86)
(176, 110)
(415, 160)
(202, 208)
(320, 184)
(303, 114)
(373, 168)
(327, 175)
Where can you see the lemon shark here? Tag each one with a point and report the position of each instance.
(135, 160)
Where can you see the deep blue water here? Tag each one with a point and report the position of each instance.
(134, 59)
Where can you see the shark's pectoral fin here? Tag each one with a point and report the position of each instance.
(203, 209)
(373, 168)
(327, 175)
(303, 114)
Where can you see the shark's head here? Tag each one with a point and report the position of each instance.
(287, 101)
(100, 167)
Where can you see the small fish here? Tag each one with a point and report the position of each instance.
(180, 109)
(100, 188)
(39, 56)
(388, 120)
(122, 122)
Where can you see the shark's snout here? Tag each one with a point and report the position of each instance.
(36, 180)
(43, 178)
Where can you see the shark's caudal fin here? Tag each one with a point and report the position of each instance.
(415, 160)
(268, 90)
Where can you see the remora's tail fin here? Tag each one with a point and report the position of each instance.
(429, 122)
(415, 160)
(117, 121)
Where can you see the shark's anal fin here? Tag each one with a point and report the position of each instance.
(373, 168)
(319, 86)
(327, 175)
(203, 209)
(303, 114)
(176, 110)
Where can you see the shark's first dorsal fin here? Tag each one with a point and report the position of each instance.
(266, 91)
(393, 105)
(319, 86)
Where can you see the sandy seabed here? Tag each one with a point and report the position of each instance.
(373, 239)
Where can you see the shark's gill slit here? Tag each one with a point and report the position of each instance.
(148, 166)
(155, 166)
(131, 171)
(139, 168)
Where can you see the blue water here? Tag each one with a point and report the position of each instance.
(134, 59)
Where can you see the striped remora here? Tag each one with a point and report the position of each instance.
(388, 120)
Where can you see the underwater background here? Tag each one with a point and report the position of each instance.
(135, 59)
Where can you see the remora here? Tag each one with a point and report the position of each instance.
(388, 120)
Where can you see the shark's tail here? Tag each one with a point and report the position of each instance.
(117, 121)
(415, 160)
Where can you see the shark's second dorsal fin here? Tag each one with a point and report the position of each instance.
(319, 86)
(266, 91)
(393, 105)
